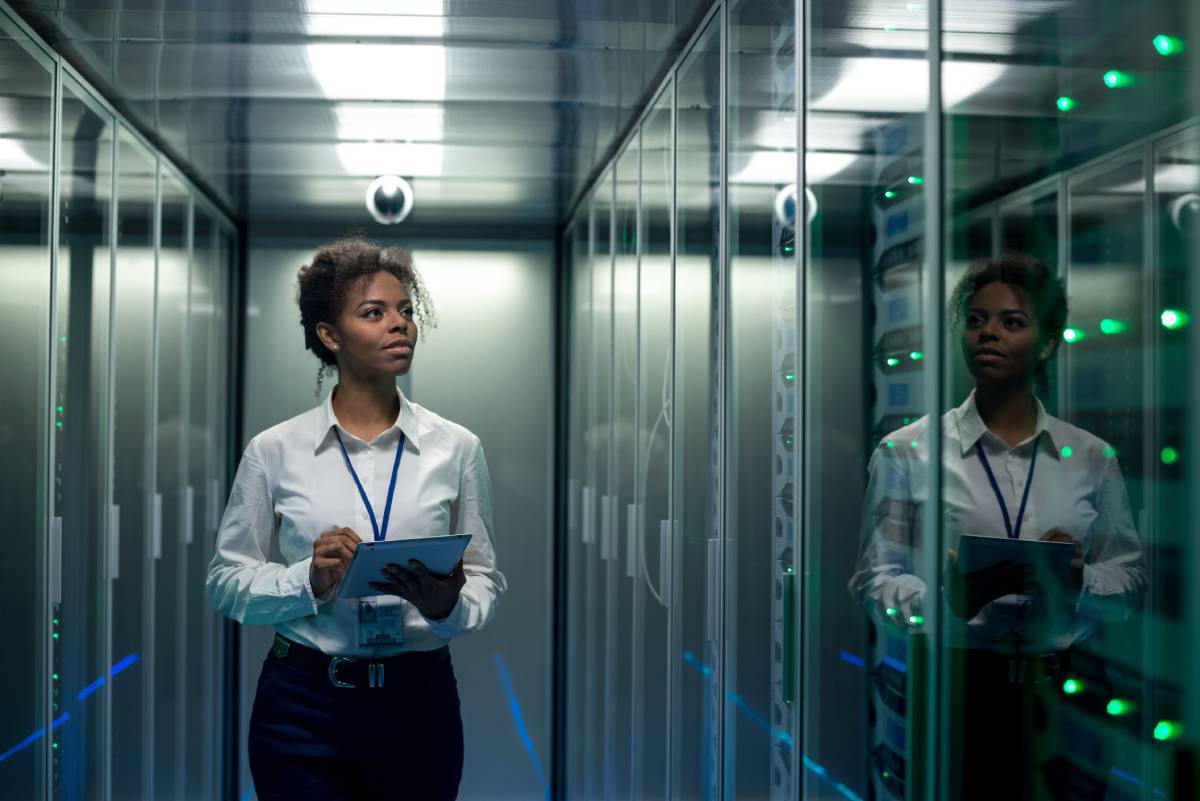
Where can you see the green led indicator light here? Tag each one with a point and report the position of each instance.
(1167, 730)
(54, 745)
(789, 249)
(54, 676)
(1110, 452)
(1168, 45)
(1073, 335)
(1173, 318)
(56, 635)
(60, 409)
(889, 28)
(916, 620)
(892, 361)
(62, 339)
(890, 444)
(787, 441)
(1169, 455)
(1065, 103)
(889, 194)
(1072, 686)
(914, 443)
(916, 180)
(58, 424)
(1119, 706)
(892, 612)
(1111, 326)
(907, 420)
(916, 355)
(1116, 79)
(789, 377)
(56, 621)
(1066, 451)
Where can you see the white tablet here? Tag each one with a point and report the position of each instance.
(438, 554)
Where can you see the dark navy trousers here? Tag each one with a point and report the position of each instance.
(312, 740)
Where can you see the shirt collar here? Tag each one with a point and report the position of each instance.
(971, 426)
(406, 421)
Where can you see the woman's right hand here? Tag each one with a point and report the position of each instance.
(332, 552)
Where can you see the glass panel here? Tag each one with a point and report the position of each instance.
(26, 89)
(170, 569)
(653, 591)
(760, 597)
(133, 340)
(1078, 664)
(624, 457)
(695, 533)
(198, 500)
(579, 499)
(599, 664)
(867, 329)
(80, 432)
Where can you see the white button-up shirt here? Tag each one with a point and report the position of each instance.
(1077, 488)
(292, 485)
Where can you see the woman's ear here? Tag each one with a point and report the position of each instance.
(1048, 350)
(327, 336)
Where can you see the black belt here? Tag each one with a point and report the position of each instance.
(351, 671)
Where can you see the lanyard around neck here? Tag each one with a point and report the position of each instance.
(387, 510)
(1008, 526)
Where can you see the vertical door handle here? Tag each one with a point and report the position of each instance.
(114, 542)
(214, 504)
(572, 504)
(588, 533)
(189, 513)
(712, 569)
(631, 540)
(664, 561)
(54, 558)
(156, 526)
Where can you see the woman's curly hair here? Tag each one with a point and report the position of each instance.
(1046, 292)
(323, 285)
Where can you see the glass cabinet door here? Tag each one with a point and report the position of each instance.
(26, 155)
(80, 531)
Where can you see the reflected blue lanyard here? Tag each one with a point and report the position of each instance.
(387, 510)
(1012, 534)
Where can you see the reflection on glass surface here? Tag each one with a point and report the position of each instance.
(132, 376)
(25, 158)
(760, 574)
(171, 591)
(80, 432)
(655, 429)
(694, 535)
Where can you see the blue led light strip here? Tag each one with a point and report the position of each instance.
(66, 716)
(519, 720)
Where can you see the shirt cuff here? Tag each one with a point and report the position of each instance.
(451, 625)
(299, 575)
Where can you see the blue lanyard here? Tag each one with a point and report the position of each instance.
(1012, 534)
(387, 510)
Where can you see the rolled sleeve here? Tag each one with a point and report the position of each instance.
(471, 513)
(242, 583)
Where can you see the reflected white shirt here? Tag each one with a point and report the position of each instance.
(292, 485)
(1077, 488)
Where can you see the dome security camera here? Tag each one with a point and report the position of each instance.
(389, 199)
(1185, 213)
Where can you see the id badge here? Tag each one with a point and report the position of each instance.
(380, 621)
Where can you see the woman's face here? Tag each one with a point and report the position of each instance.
(1002, 340)
(376, 331)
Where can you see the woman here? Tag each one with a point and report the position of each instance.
(357, 697)
(1009, 469)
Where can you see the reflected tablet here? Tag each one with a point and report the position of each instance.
(438, 554)
(976, 552)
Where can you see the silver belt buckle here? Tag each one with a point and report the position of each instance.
(333, 666)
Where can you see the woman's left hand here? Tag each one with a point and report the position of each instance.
(434, 596)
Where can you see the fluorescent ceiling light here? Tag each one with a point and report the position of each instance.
(901, 85)
(379, 72)
(779, 167)
(421, 8)
(369, 25)
(403, 122)
(406, 159)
